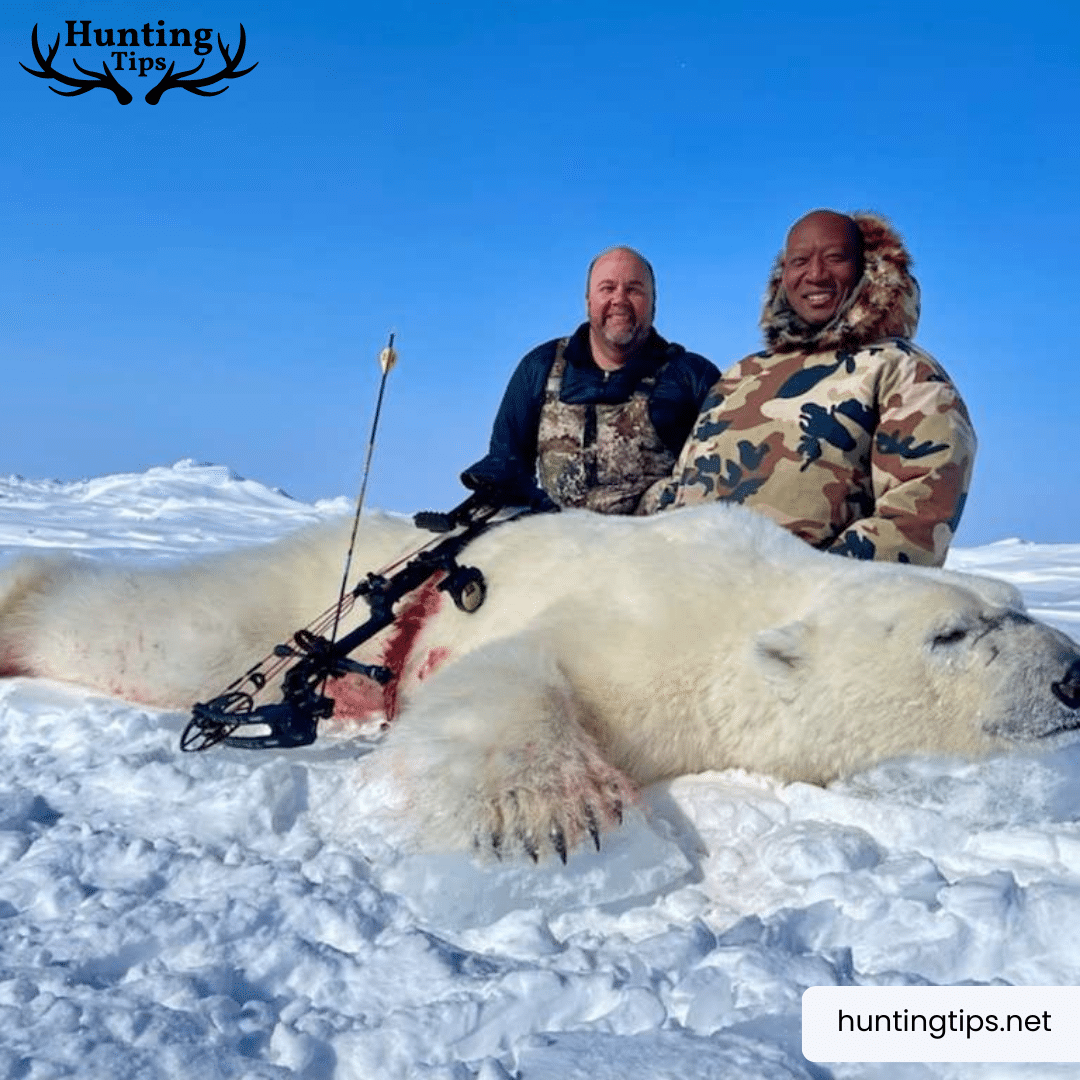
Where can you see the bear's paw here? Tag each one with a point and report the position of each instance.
(548, 797)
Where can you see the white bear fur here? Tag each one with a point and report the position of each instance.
(610, 653)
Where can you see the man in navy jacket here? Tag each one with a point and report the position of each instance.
(592, 420)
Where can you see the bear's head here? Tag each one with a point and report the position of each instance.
(894, 660)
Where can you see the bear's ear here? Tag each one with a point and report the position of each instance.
(781, 650)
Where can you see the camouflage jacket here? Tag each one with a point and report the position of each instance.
(673, 382)
(850, 436)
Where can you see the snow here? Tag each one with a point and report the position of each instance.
(247, 914)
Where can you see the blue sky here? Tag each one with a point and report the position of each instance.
(213, 277)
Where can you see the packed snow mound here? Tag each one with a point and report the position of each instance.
(166, 510)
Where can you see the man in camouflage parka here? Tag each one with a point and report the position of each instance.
(842, 430)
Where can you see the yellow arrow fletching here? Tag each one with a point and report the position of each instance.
(388, 357)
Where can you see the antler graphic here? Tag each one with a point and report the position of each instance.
(84, 85)
(169, 80)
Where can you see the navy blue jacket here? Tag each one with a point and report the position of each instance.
(676, 399)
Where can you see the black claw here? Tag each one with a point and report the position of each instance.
(616, 809)
(594, 827)
(558, 838)
(497, 843)
(529, 844)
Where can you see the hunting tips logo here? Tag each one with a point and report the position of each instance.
(123, 43)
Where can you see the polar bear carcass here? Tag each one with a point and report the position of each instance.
(610, 653)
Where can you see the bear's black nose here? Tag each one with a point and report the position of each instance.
(1068, 690)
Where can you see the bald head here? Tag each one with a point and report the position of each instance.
(822, 264)
(631, 253)
(830, 219)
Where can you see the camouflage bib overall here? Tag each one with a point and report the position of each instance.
(598, 456)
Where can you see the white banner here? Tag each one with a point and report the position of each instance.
(941, 1023)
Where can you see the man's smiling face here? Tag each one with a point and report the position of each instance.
(822, 265)
(620, 299)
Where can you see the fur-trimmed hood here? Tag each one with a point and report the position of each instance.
(884, 304)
